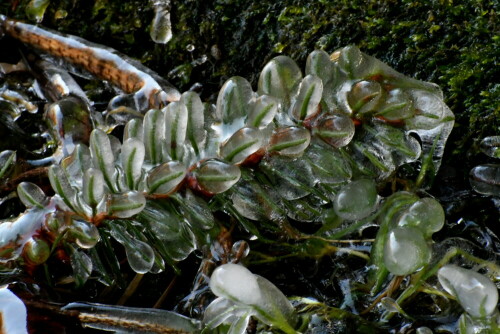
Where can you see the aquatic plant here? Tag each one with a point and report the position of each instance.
(319, 150)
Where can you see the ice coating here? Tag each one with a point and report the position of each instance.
(476, 293)
(356, 200)
(16, 233)
(485, 179)
(426, 214)
(237, 283)
(247, 295)
(406, 251)
(103, 62)
(13, 314)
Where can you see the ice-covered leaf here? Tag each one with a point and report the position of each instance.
(351, 61)
(336, 129)
(307, 100)
(491, 146)
(176, 121)
(476, 293)
(59, 182)
(234, 99)
(103, 157)
(36, 251)
(319, 64)
(154, 133)
(356, 200)
(196, 133)
(406, 251)
(132, 158)
(241, 145)
(93, 187)
(236, 283)
(133, 129)
(290, 141)
(7, 159)
(257, 202)
(31, 195)
(77, 163)
(85, 234)
(426, 214)
(127, 204)
(140, 255)
(364, 96)
(485, 179)
(165, 178)
(292, 178)
(397, 105)
(217, 176)
(262, 112)
(280, 78)
(82, 267)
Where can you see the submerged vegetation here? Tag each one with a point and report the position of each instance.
(323, 178)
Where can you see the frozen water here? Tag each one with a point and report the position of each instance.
(127, 204)
(485, 179)
(132, 158)
(102, 156)
(396, 106)
(280, 78)
(236, 283)
(356, 200)
(161, 27)
(133, 129)
(256, 202)
(406, 251)
(216, 176)
(140, 255)
(426, 214)
(292, 178)
(196, 133)
(86, 234)
(491, 146)
(7, 159)
(82, 267)
(165, 178)
(241, 145)
(234, 99)
(176, 121)
(77, 163)
(290, 141)
(328, 165)
(476, 293)
(337, 129)
(262, 112)
(137, 318)
(306, 102)
(31, 195)
(154, 133)
(59, 182)
(36, 251)
(93, 187)
(13, 313)
(274, 306)
(364, 96)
